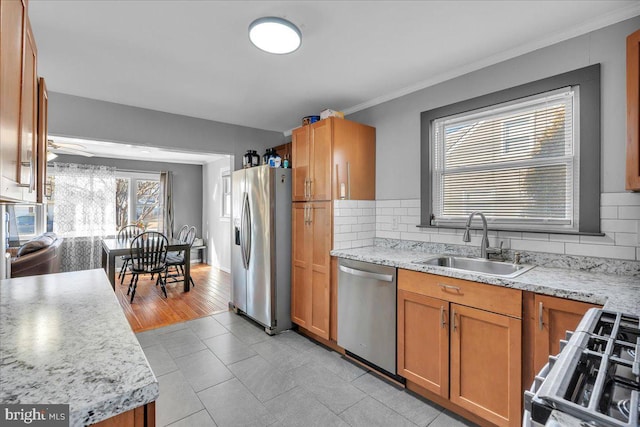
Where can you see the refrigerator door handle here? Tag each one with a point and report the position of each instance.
(247, 230)
(245, 238)
(242, 226)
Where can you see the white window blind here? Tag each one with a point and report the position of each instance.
(516, 162)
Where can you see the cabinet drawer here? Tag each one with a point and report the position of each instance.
(486, 297)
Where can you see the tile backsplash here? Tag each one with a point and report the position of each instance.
(354, 223)
(358, 222)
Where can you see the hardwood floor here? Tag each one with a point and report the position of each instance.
(150, 309)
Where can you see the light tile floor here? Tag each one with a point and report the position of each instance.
(223, 370)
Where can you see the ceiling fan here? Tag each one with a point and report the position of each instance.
(66, 148)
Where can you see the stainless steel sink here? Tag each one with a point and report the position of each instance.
(477, 265)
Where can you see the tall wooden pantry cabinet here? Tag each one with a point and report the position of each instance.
(331, 159)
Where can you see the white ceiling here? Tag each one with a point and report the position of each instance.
(195, 58)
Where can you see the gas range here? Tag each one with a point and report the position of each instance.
(595, 378)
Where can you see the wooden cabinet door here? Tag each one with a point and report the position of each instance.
(43, 127)
(423, 341)
(633, 112)
(300, 160)
(28, 120)
(321, 145)
(354, 159)
(311, 266)
(320, 222)
(12, 27)
(485, 370)
(554, 316)
(301, 246)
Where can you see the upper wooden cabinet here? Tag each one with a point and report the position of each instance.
(354, 160)
(311, 151)
(19, 107)
(13, 16)
(333, 159)
(633, 112)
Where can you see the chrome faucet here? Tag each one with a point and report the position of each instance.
(484, 244)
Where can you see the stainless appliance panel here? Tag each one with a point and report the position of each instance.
(282, 247)
(367, 312)
(238, 271)
(261, 245)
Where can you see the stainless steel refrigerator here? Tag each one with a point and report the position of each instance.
(261, 246)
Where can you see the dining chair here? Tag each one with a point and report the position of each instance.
(148, 256)
(127, 233)
(182, 234)
(177, 261)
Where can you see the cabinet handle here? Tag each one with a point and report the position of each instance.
(348, 181)
(540, 322)
(310, 192)
(310, 214)
(367, 274)
(307, 214)
(446, 287)
(455, 325)
(305, 188)
(28, 185)
(443, 322)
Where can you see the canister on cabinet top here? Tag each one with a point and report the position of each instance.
(267, 155)
(250, 159)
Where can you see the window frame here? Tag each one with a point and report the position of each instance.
(588, 143)
(569, 96)
(225, 175)
(133, 178)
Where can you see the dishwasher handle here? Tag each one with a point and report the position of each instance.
(367, 274)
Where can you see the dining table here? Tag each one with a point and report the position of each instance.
(111, 248)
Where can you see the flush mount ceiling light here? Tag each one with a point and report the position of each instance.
(275, 35)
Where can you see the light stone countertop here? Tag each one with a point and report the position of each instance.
(65, 339)
(615, 292)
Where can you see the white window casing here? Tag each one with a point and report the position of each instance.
(517, 162)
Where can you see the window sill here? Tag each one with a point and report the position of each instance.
(513, 230)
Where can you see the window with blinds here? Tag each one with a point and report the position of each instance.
(517, 162)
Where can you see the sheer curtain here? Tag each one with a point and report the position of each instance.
(166, 183)
(84, 212)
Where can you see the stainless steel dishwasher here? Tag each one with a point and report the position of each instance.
(367, 313)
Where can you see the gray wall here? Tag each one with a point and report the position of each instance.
(187, 184)
(77, 117)
(397, 122)
(217, 230)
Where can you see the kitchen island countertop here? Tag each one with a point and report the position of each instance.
(614, 292)
(65, 339)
